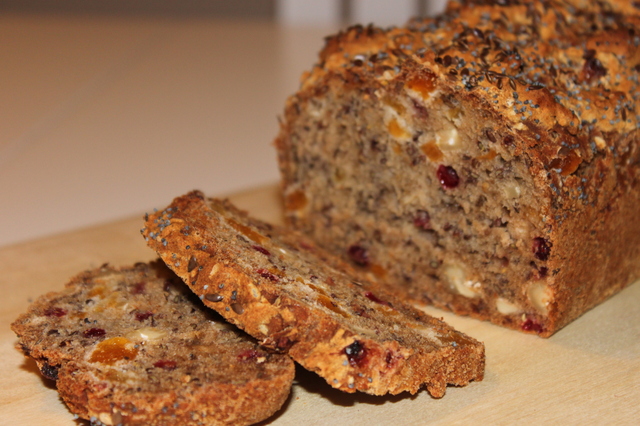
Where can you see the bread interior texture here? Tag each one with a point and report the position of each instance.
(422, 190)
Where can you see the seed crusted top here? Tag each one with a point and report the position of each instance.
(560, 76)
(523, 58)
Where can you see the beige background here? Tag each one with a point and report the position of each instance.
(103, 117)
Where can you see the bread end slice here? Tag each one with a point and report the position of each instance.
(133, 346)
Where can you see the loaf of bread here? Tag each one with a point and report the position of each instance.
(296, 298)
(134, 346)
(485, 161)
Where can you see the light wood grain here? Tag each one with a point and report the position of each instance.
(588, 373)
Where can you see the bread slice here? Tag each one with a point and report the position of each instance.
(486, 160)
(133, 346)
(280, 288)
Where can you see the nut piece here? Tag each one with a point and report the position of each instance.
(511, 190)
(448, 139)
(146, 334)
(457, 278)
(105, 418)
(506, 308)
(539, 296)
(600, 143)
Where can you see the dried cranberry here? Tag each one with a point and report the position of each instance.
(248, 355)
(498, 223)
(391, 358)
(531, 325)
(356, 353)
(542, 272)
(268, 275)
(508, 140)
(448, 176)
(94, 332)
(55, 312)
(141, 316)
(261, 250)
(541, 248)
(375, 298)
(49, 371)
(421, 111)
(593, 69)
(422, 220)
(283, 343)
(306, 245)
(138, 288)
(165, 364)
(359, 255)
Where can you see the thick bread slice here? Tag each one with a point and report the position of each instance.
(280, 288)
(133, 346)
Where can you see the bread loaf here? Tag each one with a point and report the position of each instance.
(289, 294)
(134, 346)
(485, 160)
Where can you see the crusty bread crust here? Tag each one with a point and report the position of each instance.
(280, 288)
(486, 161)
(133, 346)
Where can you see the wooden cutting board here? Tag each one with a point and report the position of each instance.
(588, 373)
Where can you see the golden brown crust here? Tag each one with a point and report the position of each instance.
(132, 346)
(278, 286)
(540, 66)
(561, 79)
(544, 51)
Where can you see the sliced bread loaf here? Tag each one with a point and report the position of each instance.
(485, 160)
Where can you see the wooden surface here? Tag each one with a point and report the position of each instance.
(588, 373)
